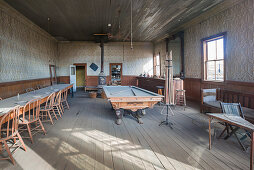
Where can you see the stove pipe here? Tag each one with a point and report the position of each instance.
(102, 77)
(102, 55)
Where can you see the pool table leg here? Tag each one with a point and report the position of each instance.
(119, 116)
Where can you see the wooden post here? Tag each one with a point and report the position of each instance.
(210, 143)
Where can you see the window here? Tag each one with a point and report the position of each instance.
(213, 56)
(157, 66)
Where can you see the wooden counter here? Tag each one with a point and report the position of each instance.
(151, 83)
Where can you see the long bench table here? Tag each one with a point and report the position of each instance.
(8, 104)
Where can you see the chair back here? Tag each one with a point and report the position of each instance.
(29, 90)
(31, 111)
(9, 123)
(50, 100)
(232, 109)
(65, 94)
(39, 87)
(58, 97)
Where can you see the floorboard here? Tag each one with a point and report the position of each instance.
(87, 138)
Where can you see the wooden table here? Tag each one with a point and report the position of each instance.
(130, 98)
(8, 104)
(235, 121)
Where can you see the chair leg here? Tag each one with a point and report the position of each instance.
(59, 106)
(54, 114)
(9, 152)
(50, 117)
(1, 148)
(239, 141)
(67, 104)
(62, 106)
(30, 133)
(224, 130)
(21, 140)
(60, 113)
(42, 127)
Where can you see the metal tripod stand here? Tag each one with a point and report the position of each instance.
(169, 89)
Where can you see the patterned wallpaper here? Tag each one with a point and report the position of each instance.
(175, 46)
(238, 22)
(135, 62)
(25, 50)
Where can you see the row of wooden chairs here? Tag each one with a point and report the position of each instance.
(29, 118)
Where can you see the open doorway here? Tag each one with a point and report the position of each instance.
(81, 75)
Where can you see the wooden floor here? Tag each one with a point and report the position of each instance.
(87, 138)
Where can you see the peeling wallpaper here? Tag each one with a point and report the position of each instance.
(238, 22)
(135, 62)
(25, 50)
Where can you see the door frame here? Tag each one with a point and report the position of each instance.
(53, 80)
(85, 65)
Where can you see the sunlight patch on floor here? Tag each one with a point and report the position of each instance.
(129, 152)
(30, 159)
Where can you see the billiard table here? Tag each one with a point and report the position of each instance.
(130, 98)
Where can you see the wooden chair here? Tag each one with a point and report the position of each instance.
(29, 90)
(48, 109)
(64, 102)
(9, 133)
(39, 87)
(57, 104)
(180, 98)
(234, 109)
(31, 116)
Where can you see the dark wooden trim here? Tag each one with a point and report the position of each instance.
(84, 65)
(241, 83)
(52, 79)
(21, 82)
(204, 40)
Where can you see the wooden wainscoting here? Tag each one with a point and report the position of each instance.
(230, 90)
(151, 83)
(9, 89)
(193, 88)
(93, 80)
(63, 79)
(129, 81)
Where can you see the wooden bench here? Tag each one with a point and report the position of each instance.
(91, 88)
(211, 98)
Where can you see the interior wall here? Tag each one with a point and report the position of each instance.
(135, 62)
(175, 46)
(237, 21)
(25, 50)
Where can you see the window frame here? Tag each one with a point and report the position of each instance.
(157, 64)
(204, 55)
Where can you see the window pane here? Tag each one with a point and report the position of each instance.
(211, 70)
(158, 60)
(72, 70)
(220, 70)
(220, 49)
(211, 50)
(157, 70)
